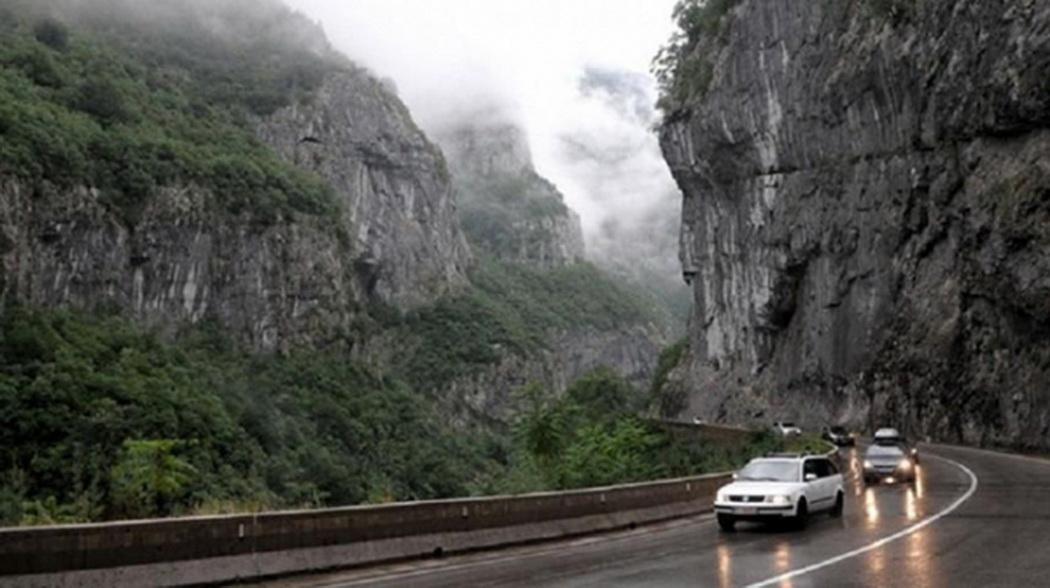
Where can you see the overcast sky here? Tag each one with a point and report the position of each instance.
(526, 56)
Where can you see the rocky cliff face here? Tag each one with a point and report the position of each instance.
(303, 279)
(393, 182)
(534, 311)
(508, 210)
(867, 204)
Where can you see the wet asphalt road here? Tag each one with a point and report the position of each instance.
(997, 535)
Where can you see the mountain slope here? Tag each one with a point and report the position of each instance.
(507, 209)
(194, 164)
(534, 310)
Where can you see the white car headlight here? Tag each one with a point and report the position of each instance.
(867, 465)
(721, 497)
(905, 464)
(778, 499)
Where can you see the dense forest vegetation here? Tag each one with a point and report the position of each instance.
(513, 308)
(127, 107)
(100, 419)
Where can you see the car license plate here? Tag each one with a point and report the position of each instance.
(747, 510)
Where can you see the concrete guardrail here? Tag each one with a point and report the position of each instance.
(220, 549)
(215, 549)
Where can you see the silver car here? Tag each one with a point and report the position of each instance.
(887, 463)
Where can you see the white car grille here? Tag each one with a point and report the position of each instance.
(746, 499)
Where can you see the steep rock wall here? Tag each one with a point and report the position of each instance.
(867, 199)
(303, 280)
(393, 182)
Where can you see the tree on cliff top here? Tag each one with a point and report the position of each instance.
(683, 67)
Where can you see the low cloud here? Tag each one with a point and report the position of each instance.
(573, 74)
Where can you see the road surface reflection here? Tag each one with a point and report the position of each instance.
(725, 566)
(871, 508)
(782, 561)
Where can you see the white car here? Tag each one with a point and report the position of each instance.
(786, 429)
(781, 488)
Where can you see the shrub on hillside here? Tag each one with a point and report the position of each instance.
(52, 33)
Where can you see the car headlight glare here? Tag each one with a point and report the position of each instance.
(867, 465)
(905, 464)
(778, 499)
(721, 497)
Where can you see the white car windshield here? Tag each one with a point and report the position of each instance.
(769, 471)
(787, 425)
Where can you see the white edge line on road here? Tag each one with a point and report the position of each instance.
(1043, 461)
(888, 539)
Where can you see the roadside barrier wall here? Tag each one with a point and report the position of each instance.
(217, 549)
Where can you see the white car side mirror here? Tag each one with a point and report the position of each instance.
(810, 477)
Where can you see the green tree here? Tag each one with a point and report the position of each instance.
(149, 479)
(544, 425)
(683, 67)
(604, 395)
(615, 453)
(667, 399)
(102, 98)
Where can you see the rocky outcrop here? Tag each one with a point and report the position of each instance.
(630, 352)
(867, 204)
(508, 210)
(303, 280)
(179, 265)
(393, 182)
(487, 393)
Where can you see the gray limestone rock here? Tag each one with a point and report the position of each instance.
(867, 204)
(295, 281)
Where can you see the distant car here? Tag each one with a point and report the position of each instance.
(781, 488)
(698, 421)
(786, 429)
(887, 463)
(887, 437)
(839, 437)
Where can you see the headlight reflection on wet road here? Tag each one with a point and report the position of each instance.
(856, 472)
(725, 567)
(911, 509)
(782, 561)
(871, 508)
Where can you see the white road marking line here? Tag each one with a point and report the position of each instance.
(888, 539)
(1043, 461)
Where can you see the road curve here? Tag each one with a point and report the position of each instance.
(974, 518)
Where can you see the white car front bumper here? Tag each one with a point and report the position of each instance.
(755, 511)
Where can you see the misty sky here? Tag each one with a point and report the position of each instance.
(526, 57)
